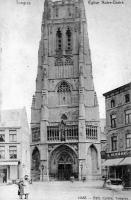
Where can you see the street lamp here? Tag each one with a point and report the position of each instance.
(42, 167)
(81, 166)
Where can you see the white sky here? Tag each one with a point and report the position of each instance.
(109, 28)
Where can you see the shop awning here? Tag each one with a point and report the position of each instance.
(126, 161)
(8, 163)
(112, 162)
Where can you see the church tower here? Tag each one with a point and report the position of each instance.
(65, 113)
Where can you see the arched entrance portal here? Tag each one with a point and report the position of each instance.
(63, 163)
(93, 160)
(35, 171)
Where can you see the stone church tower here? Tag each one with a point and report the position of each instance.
(65, 113)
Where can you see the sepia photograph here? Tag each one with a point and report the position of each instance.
(65, 99)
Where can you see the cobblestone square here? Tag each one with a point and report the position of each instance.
(64, 191)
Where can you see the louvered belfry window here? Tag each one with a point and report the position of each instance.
(59, 39)
(68, 35)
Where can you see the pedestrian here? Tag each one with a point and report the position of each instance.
(21, 189)
(26, 186)
(4, 179)
(104, 182)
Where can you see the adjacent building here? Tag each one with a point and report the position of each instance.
(65, 120)
(14, 145)
(118, 128)
(103, 144)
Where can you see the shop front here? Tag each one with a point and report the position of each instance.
(9, 171)
(126, 168)
(119, 168)
(3, 174)
(113, 168)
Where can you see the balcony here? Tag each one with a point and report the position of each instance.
(91, 132)
(62, 133)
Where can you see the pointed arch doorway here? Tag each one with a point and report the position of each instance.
(63, 163)
(92, 160)
(35, 165)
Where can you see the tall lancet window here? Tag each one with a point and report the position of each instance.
(58, 39)
(64, 93)
(69, 39)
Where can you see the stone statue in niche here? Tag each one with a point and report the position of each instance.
(62, 135)
(62, 130)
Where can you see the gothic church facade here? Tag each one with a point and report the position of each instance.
(65, 113)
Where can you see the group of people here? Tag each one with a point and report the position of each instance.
(23, 187)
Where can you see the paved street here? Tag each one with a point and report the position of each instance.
(64, 191)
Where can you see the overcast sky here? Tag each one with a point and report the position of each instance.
(109, 28)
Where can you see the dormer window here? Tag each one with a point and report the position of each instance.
(127, 98)
(112, 103)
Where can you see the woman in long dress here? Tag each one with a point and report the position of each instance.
(26, 187)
